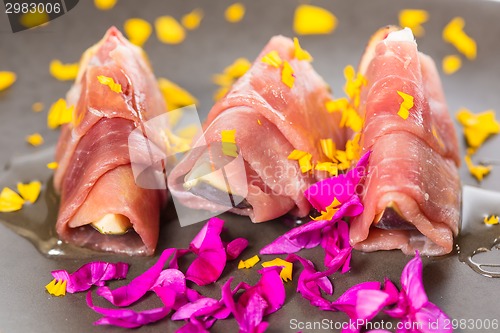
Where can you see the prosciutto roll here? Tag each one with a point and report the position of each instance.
(269, 120)
(101, 206)
(412, 192)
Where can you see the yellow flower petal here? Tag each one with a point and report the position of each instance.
(35, 139)
(259, 122)
(329, 167)
(493, 219)
(249, 263)
(52, 165)
(337, 105)
(31, 191)
(299, 52)
(105, 4)
(310, 20)
(175, 96)
(228, 138)
(406, 105)
(7, 79)
(287, 268)
(413, 19)
(37, 107)
(478, 171)
(108, 81)
(238, 68)
(221, 92)
(63, 72)
(273, 59)
(296, 155)
(478, 127)
(31, 20)
(235, 12)
(328, 148)
(56, 287)
(193, 19)
(169, 31)
(451, 64)
(454, 34)
(10, 201)
(330, 211)
(305, 163)
(59, 114)
(287, 74)
(137, 30)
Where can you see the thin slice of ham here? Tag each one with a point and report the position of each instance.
(271, 120)
(95, 176)
(413, 169)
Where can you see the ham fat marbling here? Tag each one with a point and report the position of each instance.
(412, 192)
(94, 176)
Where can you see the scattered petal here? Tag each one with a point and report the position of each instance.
(493, 219)
(310, 20)
(59, 114)
(477, 170)
(478, 127)
(192, 20)
(137, 30)
(231, 73)
(451, 64)
(105, 4)
(273, 59)
(249, 263)
(31, 20)
(56, 287)
(286, 268)
(235, 12)
(235, 248)
(175, 96)
(35, 139)
(30, 192)
(406, 105)
(52, 165)
(169, 31)
(10, 201)
(63, 72)
(300, 53)
(108, 81)
(7, 79)
(413, 19)
(287, 74)
(454, 34)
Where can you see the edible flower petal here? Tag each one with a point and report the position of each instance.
(211, 260)
(328, 148)
(235, 12)
(108, 81)
(91, 274)
(10, 201)
(193, 19)
(249, 263)
(454, 34)
(231, 73)
(7, 79)
(35, 139)
(310, 20)
(272, 58)
(493, 219)
(413, 19)
(286, 271)
(406, 105)
(175, 96)
(169, 31)
(56, 287)
(451, 64)
(59, 114)
(299, 52)
(63, 72)
(52, 165)
(478, 127)
(478, 171)
(105, 4)
(137, 30)
(30, 191)
(287, 76)
(235, 248)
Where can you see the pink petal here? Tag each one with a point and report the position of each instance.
(93, 273)
(433, 320)
(412, 284)
(197, 327)
(235, 247)
(211, 260)
(138, 287)
(270, 287)
(348, 301)
(335, 239)
(190, 309)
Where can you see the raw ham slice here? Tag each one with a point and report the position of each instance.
(94, 176)
(270, 120)
(412, 192)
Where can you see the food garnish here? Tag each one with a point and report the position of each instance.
(105, 4)
(248, 263)
(35, 139)
(192, 20)
(300, 53)
(406, 105)
(273, 59)
(228, 139)
(478, 171)
(30, 191)
(56, 287)
(313, 20)
(451, 64)
(491, 220)
(52, 165)
(235, 12)
(230, 74)
(37, 107)
(413, 19)
(137, 30)
(34, 19)
(175, 96)
(108, 81)
(478, 127)
(59, 114)
(454, 34)
(7, 79)
(10, 201)
(286, 271)
(287, 76)
(63, 72)
(169, 31)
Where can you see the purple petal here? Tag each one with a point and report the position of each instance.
(270, 287)
(253, 313)
(138, 287)
(412, 284)
(127, 318)
(208, 267)
(227, 298)
(433, 320)
(235, 247)
(93, 273)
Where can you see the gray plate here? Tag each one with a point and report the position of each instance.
(26, 307)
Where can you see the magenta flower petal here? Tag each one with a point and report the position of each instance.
(211, 260)
(91, 274)
(335, 239)
(138, 287)
(433, 320)
(193, 327)
(362, 301)
(412, 284)
(125, 317)
(235, 248)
